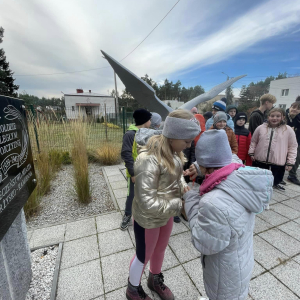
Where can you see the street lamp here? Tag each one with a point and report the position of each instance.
(226, 75)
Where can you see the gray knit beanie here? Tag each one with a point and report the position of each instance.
(213, 149)
(155, 120)
(220, 116)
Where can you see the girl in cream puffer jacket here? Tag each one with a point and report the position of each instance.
(274, 146)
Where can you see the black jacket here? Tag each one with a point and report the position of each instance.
(294, 123)
(126, 152)
(256, 118)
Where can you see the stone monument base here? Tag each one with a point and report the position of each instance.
(15, 261)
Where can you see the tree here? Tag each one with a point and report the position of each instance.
(128, 101)
(196, 91)
(7, 86)
(229, 95)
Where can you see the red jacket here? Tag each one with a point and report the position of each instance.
(201, 121)
(243, 137)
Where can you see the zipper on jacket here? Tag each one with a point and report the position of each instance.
(268, 153)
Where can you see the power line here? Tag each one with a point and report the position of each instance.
(59, 73)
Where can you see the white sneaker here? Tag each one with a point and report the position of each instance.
(202, 298)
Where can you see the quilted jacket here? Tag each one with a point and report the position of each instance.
(243, 137)
(222, 223)
(276, 146)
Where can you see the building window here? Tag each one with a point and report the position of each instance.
(283, 106)
(73, 108)
(285, 92)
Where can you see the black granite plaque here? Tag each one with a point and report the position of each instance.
(17, 176)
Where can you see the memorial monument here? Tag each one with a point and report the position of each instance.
(17, 181)
(145, 94)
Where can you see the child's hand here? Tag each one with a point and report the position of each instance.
(252, 158)
(133, 179)
(288, 168)
(186, 189)
(192, 172)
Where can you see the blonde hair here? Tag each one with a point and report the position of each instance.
(281, 111)
(160, 146)
(267, 97)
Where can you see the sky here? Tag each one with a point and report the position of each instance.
(195, 43)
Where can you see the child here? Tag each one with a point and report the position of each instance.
(219, 105)
(158, 190)
(274, 146)
(243, 137)
(207, 116)
(222, 217)
(220, 122)
(129, 153)
(232, 110)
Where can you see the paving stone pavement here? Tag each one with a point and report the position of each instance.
(96, 253)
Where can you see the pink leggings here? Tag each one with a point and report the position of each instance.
(150, 245)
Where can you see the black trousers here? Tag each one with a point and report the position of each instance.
(277, 171)
(130, 196)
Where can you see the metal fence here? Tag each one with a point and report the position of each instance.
(53, 129)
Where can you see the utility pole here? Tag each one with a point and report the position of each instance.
(116, 98)
(227, 90)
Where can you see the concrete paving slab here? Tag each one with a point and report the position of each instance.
(121, 202)
(29, 235)
(180, 284)
(182, 247)
(292, 229)
(257, 270)
(289, 275)
(297, 220)
(48, 236)
(266, 255)
(79, 251)
(79, 229)
(272, 217)
(279, 197)
(115, 178)
(286, 211)
(261, 225)
(112, 171)
(82, 282)
(114, 241)
(297, 259)
(118, 184)
(267, 287)
(115, 269)
(294, 187)
(179, 228)
(293, 203)
(289, 193)
(108, 222)
(121, 193)
(281, 241)
(194, 270)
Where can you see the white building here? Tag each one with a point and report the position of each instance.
(285, 90)
(89, 104)
(173, 103)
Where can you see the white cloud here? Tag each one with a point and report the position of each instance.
(44, 36)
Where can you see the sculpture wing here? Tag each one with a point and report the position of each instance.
(139, 89)
(210, 94)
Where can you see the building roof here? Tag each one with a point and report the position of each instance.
(88, 95)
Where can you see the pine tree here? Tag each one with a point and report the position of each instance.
(7, 86)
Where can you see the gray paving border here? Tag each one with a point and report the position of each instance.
(112, 195)
(56, 272)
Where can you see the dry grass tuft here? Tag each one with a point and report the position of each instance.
(108, 153)
(80, 161)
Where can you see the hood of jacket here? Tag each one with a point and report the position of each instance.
(257, 111)
(144, 134)
(250, 187)
(132, 127)
(229, 107)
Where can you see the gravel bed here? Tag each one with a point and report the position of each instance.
(61, 205)
(43, 266)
